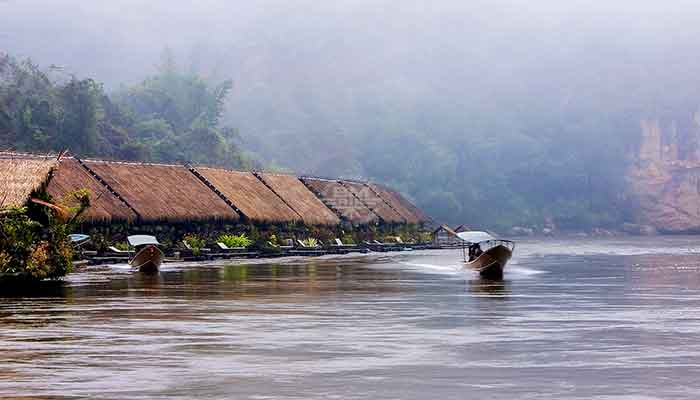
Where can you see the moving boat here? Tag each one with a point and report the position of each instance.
(486, 254)
(148, 255)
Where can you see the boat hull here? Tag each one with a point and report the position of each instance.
(492, 262)
(148, 259)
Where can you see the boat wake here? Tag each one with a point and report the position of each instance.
(513, 269)
(122, 266)
(434, 268)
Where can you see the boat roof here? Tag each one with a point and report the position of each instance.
(475, 236)
(446, 229)
(78, 237)
(140, 240)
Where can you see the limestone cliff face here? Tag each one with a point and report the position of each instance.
(664, 179)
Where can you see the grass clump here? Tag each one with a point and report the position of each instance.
(232, 241)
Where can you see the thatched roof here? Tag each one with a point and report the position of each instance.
(104, 206)
(341, 200)
(163, 192)
(410, 212)
(21, 174)
(156, 192)
(249, 195)
(300, 199)
(375, 203)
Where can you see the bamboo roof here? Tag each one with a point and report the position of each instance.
(160, 192)
(375, 203)
(21, 174)
(341, 200)
(104, 205)
(249, 195)
(300, 199)
(405, 208)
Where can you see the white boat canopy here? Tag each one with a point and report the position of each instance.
(475, 236)
(78, 237)
(141, 240)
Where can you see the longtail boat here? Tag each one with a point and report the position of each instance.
(485, 254)
(148, 255)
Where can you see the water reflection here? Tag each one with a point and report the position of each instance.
(489, 288)
(49, 288)
(146, 283)
(239, 273)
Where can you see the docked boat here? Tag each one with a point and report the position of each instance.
(78, 239)
(486, 254)
(148, 256)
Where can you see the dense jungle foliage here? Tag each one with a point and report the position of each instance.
(169, 117)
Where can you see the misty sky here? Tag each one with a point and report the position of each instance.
(120, 37)
(325, 67)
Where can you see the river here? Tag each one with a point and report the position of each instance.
(572, 319)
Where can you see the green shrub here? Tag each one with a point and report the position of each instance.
(98, 241)
(348, 239)
(231, 240)
(425, 237)
(310, 242)
(35, 249)
(195, 242)
(121, 246)
(18, 234)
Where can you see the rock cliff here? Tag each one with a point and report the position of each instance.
(664, 179)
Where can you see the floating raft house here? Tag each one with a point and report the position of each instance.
(158, 192)
(295, 194)
(249, 195)
(20, 175)
(150, 193)
(411, 213)
(338, 198)
(105, 206)
(372, 201)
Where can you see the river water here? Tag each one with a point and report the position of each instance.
(573, 319)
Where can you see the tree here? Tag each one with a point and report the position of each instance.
(170, 117)
(80, 112)
(179, 114)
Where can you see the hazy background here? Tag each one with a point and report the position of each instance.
(491, 113)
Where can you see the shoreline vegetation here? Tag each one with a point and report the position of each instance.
(34, 238)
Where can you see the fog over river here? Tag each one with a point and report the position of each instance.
(572, 319)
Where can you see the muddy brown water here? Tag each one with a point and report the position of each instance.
(573, 319)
